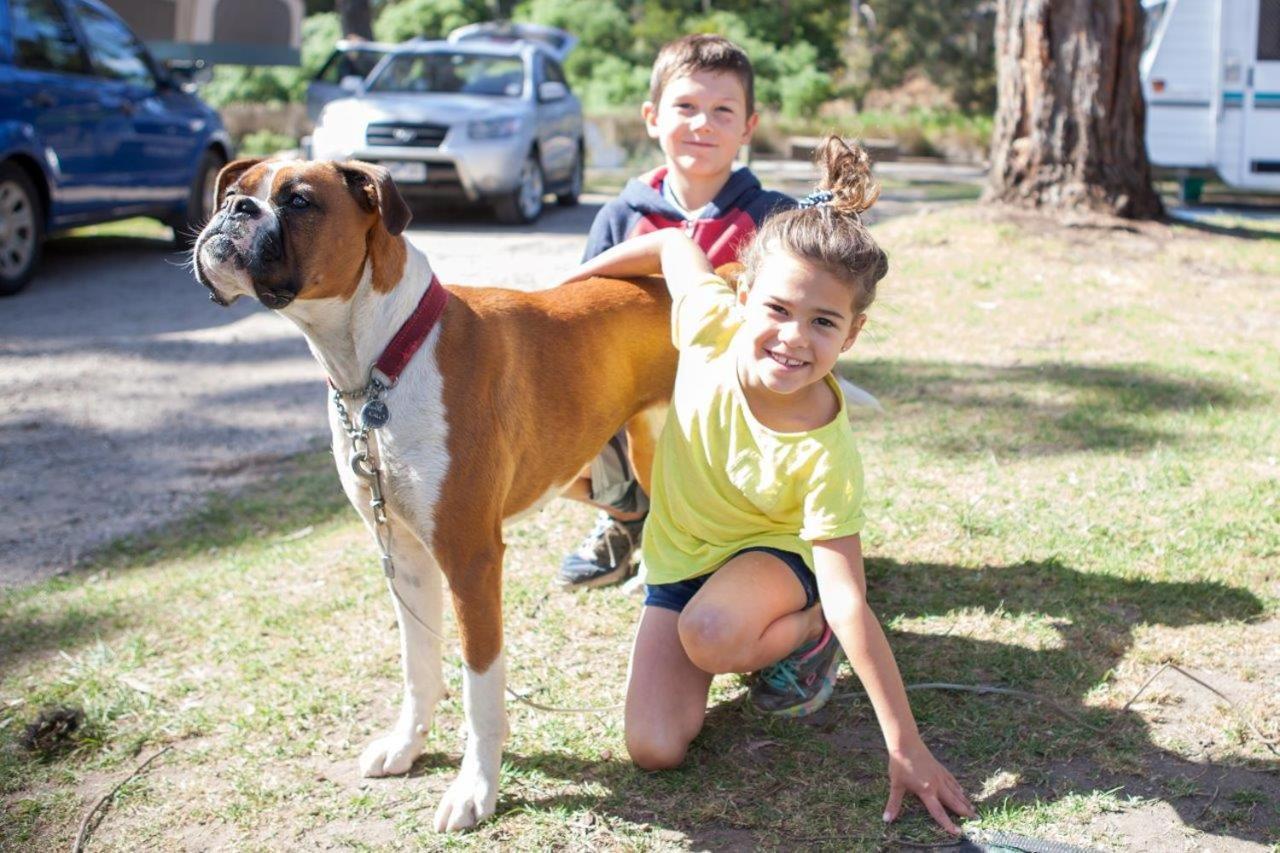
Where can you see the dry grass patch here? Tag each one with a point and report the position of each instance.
(1075, 483)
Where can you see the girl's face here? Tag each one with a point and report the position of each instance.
(798, 319)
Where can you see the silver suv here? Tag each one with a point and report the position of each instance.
(487, 116)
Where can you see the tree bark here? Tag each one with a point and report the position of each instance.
(356, 18)
(1070, 117)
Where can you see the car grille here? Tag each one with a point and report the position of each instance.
(403, 135)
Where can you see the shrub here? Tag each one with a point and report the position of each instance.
(238, 84)
(427, 18)
(263, 143)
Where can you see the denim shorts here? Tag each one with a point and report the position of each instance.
(674, 596)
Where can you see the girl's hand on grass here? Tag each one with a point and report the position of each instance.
(915, 769)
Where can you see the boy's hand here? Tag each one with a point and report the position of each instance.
(915, 769)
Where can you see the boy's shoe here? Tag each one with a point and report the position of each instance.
(802, 682)
(606, 556)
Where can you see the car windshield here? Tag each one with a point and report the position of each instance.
(356, 62)
(469, 73)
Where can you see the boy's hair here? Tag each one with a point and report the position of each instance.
(829, 234)
(702, 52)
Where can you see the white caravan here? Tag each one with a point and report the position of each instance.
(1211, 77)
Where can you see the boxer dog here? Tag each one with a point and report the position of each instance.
(453, 411)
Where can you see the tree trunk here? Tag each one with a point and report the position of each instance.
(356, 18)
(1070, 118)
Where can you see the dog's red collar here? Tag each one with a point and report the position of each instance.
(400, 350)
(396, 356)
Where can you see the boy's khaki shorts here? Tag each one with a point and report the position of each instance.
(613, 482)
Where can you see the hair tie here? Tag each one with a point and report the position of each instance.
(817, 199)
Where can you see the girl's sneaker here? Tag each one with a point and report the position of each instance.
(802, 682)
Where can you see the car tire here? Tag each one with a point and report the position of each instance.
(570, 197)
(200, 201)
(21, 229)
(523, 204)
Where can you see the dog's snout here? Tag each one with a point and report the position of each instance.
(246, 206)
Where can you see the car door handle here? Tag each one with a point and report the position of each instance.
(43, 100)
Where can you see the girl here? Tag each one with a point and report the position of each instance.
(757, 487)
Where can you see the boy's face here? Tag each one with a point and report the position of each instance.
(700, 122)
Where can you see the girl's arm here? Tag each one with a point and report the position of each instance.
(842, 587)
(669, 252)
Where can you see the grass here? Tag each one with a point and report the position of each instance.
(138, 226)
(1076, 482)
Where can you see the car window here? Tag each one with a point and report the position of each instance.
(472, 74)
(114, 51)
(43, 39)
(349, 63)
(553, 72)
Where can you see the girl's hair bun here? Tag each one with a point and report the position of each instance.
(846, 173)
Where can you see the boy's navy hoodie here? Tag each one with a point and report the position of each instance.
(723, 227)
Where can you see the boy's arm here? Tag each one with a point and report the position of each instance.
(668, 252)
(842, 589)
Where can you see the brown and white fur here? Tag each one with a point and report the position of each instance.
(509, 397)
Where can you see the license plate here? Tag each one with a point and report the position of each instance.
(406, 170)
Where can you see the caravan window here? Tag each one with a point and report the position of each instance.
(1154, 15)
(1269, 30)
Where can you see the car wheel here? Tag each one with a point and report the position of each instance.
(524, 203)
(21, 229)
(569, 198)
(200, 201)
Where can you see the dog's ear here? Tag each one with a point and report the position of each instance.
(731, 273)
(230, 174)
(375, 190)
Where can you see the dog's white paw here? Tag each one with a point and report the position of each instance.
(391, 754)
(470, 799)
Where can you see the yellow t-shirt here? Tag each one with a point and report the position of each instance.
(722, 481)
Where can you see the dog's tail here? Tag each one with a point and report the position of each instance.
(858, 402)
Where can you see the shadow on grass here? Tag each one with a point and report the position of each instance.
(753, 782)
(1242, 232)
(1037, 410)
(292, 494)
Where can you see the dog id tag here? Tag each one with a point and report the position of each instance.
(374, 415)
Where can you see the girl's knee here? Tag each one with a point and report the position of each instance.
(660, 753)
(711, 638)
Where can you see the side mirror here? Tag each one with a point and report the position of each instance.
(187, 74)
(351, 83)
(552, 90)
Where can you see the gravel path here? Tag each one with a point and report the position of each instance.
(126, 397)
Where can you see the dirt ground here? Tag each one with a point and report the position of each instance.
(128, 396)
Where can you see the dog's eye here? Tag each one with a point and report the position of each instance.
(298, 202)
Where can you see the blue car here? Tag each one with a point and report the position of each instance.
(92, 129)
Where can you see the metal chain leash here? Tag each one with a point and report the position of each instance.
(373, 416)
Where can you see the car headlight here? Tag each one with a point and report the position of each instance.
(494, 128)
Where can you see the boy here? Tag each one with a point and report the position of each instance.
(701, 110)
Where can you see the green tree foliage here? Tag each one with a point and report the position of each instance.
(801, 49)
(950, 42)
(604, 69)
(427, 18)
